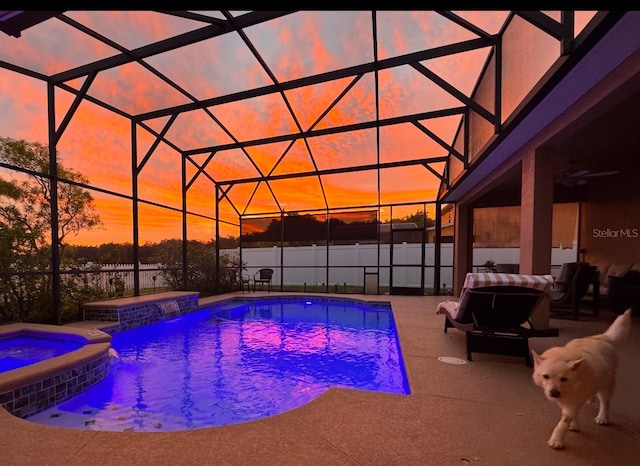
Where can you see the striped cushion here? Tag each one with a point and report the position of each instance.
(479, 280)
(537, 282)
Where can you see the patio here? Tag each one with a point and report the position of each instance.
(487, 411)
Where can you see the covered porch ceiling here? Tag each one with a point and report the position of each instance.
(602, 143)
(597, 134)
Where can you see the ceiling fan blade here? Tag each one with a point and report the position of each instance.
(607, 173)
(578, 176)
(578, 173)
(570, 182)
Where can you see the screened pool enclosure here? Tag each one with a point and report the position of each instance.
(150, 150)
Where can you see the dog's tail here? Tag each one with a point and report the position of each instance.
(620, 327)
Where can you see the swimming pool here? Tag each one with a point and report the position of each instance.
(23, 350)
(238, 362)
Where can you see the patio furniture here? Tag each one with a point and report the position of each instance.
(493, 309)
(245, 282)
(624, 292)
(508, 268)
(263, 277)
(571, 287)
(608, 268)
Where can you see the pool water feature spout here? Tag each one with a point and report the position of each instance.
(113, 354)
(170, 309)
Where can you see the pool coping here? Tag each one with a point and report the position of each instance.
(221, 299)
(124, 302)
(29, 389)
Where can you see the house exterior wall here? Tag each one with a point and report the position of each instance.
(610, 219)
(500, 226)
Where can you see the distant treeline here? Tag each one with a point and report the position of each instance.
(343, 228)
(122, 253)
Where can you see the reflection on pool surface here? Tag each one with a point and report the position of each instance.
(23, 350)
(238, 362)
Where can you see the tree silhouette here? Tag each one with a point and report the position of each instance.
(25, 228)
(25, 203)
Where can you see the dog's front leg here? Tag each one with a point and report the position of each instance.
(603, 411)
(567, 422)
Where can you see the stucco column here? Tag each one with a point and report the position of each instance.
(462, 246)
(536, 216)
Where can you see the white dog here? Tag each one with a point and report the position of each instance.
(575, 373)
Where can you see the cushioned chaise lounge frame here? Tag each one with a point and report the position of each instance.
(493, 310)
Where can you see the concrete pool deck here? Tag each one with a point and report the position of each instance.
(487, 411)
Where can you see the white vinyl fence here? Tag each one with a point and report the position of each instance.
(348, 264)
(307, 264)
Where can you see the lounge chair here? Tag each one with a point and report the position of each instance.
(570, 288)
(263, 276)
(493, 309)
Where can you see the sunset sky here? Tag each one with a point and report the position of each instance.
(97, 142)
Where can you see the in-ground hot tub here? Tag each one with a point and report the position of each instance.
(33, 385)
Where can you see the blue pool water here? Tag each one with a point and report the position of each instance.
(22, 350)
(235, 363)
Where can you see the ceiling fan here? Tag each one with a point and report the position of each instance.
(574, 176)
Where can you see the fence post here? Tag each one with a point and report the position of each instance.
(314, 264)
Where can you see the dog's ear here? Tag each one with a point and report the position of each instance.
(536, 357)
(573, 365)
